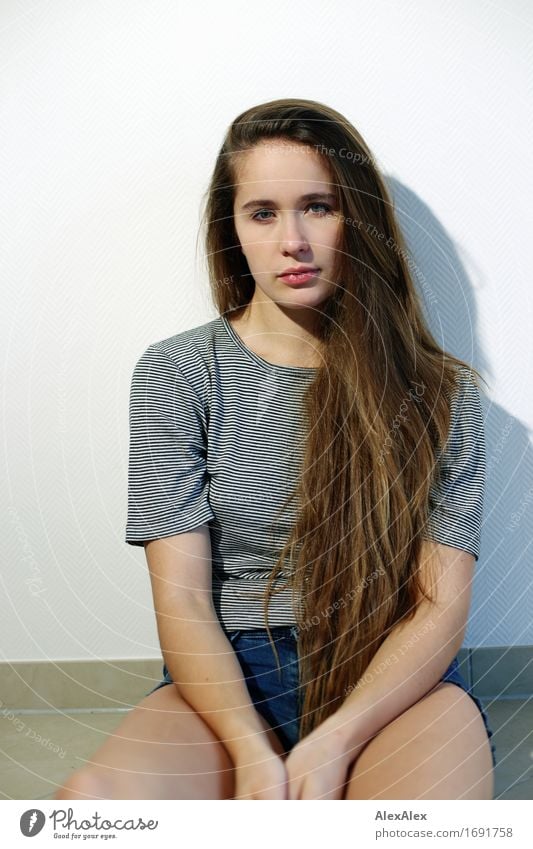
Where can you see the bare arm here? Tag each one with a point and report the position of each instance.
(197, 653)
(414, 656)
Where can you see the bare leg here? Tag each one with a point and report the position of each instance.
(436, 749)
(162, 749)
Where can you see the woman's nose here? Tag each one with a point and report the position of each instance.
(293, 232)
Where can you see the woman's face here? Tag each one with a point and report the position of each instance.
(279, 228)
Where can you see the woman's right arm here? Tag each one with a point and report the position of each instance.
(198, 655)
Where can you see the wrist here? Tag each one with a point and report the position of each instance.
(346, 733)
(249, 747)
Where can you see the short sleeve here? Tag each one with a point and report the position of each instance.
(457, 493)
(168, 485)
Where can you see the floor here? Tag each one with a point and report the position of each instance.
(39, 750)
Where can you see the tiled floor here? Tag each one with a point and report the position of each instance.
(38, 751)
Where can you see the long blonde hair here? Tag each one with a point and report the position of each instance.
(372, 452)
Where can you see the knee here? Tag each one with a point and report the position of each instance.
(84, 783)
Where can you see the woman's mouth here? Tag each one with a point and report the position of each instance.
(302, 277)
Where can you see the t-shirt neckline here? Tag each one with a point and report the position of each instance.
(259, 360)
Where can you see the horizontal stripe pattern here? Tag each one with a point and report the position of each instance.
(457, 493)
(216, 436)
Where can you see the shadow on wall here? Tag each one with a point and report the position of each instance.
(503, 585)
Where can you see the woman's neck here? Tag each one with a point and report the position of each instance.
(277, 338)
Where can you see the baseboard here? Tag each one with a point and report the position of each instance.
(499, 672)
(71, 684)
(495, 673)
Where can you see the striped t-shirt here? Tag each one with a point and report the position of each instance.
(217, 435)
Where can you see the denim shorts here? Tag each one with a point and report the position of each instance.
(275, 691)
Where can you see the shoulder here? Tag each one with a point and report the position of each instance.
(466, 400)
(189, 354)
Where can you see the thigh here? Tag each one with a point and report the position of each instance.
(162, 749)
(436, 749)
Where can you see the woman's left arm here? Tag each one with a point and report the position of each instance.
(409, 662)
(414, 656)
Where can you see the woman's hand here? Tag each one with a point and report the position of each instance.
(318, 765)
(260, 773)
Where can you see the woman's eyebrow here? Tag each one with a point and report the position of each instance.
(312, 196)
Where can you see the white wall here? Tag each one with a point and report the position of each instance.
(111, 116)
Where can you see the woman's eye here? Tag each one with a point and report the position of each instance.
(255, 218)
(324, 206)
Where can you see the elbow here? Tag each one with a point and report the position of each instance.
(185, 610)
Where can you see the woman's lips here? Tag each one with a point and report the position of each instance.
(295, 279)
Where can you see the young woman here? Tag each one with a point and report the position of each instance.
(306, 475)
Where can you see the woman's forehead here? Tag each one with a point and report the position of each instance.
(267, 172)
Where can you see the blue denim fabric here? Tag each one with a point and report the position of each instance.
(275, 692)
